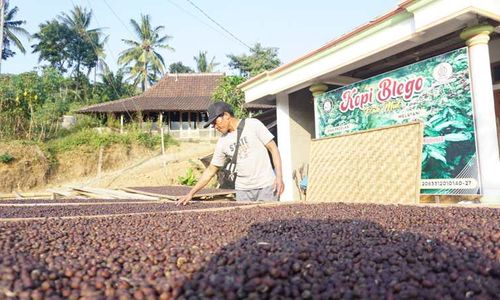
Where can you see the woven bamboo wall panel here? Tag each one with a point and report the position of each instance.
(376, 166)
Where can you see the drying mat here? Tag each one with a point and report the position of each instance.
(376, 166)
(174, 192)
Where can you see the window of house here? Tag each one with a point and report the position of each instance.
(495, 73)
(164, 117)
(202, 119)
(175, 120)
(185, 121)
(194, 119)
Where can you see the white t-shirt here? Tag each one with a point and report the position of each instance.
(253, 165)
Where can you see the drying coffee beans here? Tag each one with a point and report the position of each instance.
(312, 251)
(111, 208)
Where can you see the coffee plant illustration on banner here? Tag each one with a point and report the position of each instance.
(435, 91)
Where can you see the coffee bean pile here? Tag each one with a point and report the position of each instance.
(302, 251)
(107, 209)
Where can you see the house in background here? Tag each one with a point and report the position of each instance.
(178, 101)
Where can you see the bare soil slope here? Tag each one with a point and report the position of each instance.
(120, 167)
(157, 170)
(28, 168)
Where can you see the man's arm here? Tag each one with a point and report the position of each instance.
(202, 182)
(279, 186)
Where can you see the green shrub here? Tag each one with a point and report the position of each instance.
(94, 140)
(148, 140)
(86, 122)
(153, 141)
(189, 179)
(89, 138)
(113, 121)
(6, 158)
(170, 141)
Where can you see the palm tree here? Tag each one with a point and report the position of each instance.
(202, 65)
(12, 27)
(100, 54)
(78, 20)
(91, 50)
(113, 86)
(142, 59)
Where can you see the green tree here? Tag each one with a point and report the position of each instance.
(202, 63)
(113, 86)
(260, 59)
(179, 67)
(228, 91)
(69, 43)
(53, 39)
(85, 46)
(11, 29)
(143, 61)
(31, 104)
(100, 54)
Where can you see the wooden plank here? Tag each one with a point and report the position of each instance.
(113, 194)
(62, 192)
(19, 196)
(7, 196)
(176, 192)
(160, 196)
(126, 195)
(65, 192)
(95, 192)
(90, 195)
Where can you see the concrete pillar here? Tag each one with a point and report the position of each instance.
(477, 38)
(169, 121)
(161, 133)
(285, 145)
(121, 123)
(318, 89)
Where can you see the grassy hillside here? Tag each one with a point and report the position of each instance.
(27, 165)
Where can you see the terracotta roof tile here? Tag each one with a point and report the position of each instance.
(258, 106)
(180, 92)
(185, 85)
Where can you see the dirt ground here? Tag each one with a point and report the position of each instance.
(29, 167)
(157, 170)
(120, 167)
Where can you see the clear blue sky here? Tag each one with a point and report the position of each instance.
(295, 27)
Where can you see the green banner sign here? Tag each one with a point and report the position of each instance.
(435, 91)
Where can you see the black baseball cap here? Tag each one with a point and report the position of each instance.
(217, 109)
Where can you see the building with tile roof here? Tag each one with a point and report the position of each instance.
(179, 100)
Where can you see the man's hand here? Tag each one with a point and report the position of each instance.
(185, 199)
(202, 182)
(279, 186)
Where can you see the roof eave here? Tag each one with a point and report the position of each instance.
(264, 76)
(412, 23)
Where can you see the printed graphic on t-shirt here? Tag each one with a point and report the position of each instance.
(242, 148)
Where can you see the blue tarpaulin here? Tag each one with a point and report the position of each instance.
(303, 183)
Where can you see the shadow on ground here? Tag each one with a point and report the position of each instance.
(345, 259)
